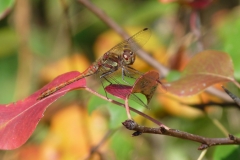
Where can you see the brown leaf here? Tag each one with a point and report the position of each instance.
(147, 84)
(205, 69)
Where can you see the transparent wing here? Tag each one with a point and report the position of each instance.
(116, 78)
(134, 43)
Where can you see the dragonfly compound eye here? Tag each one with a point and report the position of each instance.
(128, 57)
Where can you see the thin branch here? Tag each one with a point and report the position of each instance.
(22, 16)
(203, 153)
(103, 140)
(112, 24)
(220, 126)
(122, 105)
(235, 98)
(205, 142)
(5, 13)
(65, 7)
(195, 25)
(164, 130)
(218, 93)
(223, 105)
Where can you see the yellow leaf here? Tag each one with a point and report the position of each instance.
(72, 134)
(76, 62)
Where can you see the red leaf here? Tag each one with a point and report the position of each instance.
(18, 120)
(205, 69)
(195, 4)
(119, 90)
(199, 4)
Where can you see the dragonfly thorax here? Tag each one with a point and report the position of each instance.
(128, 57)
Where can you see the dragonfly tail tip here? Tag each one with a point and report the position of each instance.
(145, 29)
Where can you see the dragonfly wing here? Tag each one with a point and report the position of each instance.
(131, 72)
(135, 74)
(134, 42)
(116, 78)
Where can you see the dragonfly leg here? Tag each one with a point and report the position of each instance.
(113, 69)
(123, 75)
(129, 70)
(103, 87)
(132, 70)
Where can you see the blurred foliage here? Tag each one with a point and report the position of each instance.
(228, 38)
(53, 42)
(227, 152)
(5, 6)
(230, 152)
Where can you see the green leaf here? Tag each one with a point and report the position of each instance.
(8, 41)
(173, 75)
(5, 5)
(8, 71)
(229, 39)
(117, 115)
(123, 145)
(40, 41)
(143, 15)
(227, 152)
(95, 102)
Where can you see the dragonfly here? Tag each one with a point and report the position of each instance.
(120, 57)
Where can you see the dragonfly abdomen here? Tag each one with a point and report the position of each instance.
(56, 88)
(91, 70)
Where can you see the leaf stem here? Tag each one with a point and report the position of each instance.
(122, 105)
(220, 126)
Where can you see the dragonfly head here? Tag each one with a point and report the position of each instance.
(128, 57)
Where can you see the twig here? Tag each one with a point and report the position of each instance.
(112, 24)
(220, 126)
(235, 98)
(22, 18)
(5, 13)
(104, 139)
(205, 142)
(223, 105)
(122, 105)
(68, 23)
(195, 24)
(218, 93)
(202, 154)
(164, 130)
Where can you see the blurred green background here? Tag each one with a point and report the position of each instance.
(42, 39)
